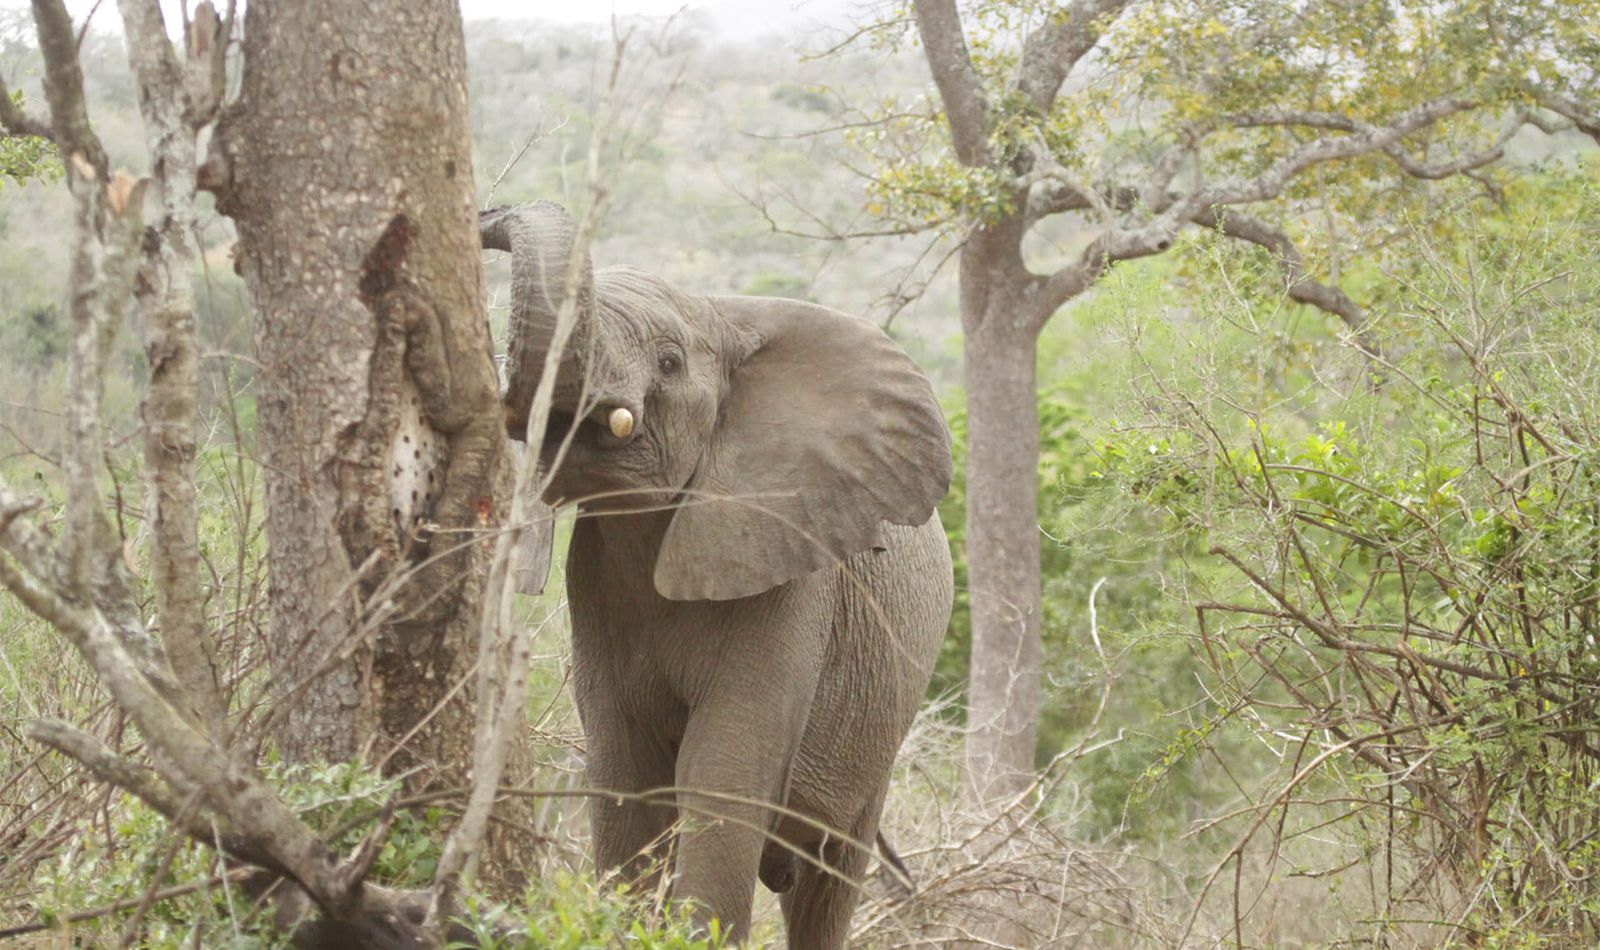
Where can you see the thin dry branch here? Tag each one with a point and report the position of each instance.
(235, 876)
(166, 304)
(177, 804)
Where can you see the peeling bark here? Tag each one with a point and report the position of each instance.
(164, 294)
(346, 165)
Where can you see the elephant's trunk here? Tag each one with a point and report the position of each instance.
(540, 237)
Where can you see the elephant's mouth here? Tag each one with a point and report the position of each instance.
(562, 426)
(595, 430)
(586, 458)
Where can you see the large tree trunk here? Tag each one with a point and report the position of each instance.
(1002, 540)
(347, 167)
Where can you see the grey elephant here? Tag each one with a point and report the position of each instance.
(758, 579)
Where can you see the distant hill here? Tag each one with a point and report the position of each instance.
(730, 129)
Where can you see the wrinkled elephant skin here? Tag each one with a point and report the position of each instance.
(758, 580)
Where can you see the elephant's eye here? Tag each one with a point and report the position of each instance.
(669, 364)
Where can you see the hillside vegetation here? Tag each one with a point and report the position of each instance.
(1320, 625)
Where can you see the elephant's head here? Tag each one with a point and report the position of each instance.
(782, 433)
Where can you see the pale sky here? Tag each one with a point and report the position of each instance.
(567, 11)
(734, 13)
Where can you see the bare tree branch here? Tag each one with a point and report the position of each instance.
(109, 224)
(119, 772)
(1204, 207)
(115, 907)
(15, 121)
(165, 297)
(63, 88)
(1291, 117)
(1049, 55)
(1300, 287)
(849, 39)
(206, 47)
(1047, 294)
(1584, 116)
(1364, 140)
(37, 566)
(965, 105)
(1155, 236)
(1416, 168)
(1458, 166)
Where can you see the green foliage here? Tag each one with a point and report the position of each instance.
(27, 157)
(572, 912)
(139, 851)
(343, 800)
(1402, 574)
(1217, 76)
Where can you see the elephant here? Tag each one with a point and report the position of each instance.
(757, 577)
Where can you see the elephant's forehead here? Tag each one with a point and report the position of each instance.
(647, 306)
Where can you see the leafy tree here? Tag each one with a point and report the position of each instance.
(1069, 137)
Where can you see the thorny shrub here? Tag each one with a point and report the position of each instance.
(1402, 591)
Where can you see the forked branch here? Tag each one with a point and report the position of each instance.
(14, 121)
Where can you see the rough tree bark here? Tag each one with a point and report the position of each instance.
(177, 97)
(346, 165)
(1003, 692)
(1001, 318)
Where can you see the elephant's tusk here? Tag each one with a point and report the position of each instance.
(620, 422)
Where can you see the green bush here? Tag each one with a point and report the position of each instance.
(1400, 589)
(133, 850)
(571, 912)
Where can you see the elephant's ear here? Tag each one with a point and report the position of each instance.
(828, 429)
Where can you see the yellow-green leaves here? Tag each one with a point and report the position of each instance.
(1239, 86)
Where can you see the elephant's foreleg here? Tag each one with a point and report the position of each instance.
(631, 837)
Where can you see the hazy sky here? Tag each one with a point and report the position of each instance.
(572, 11)
(734, 14)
